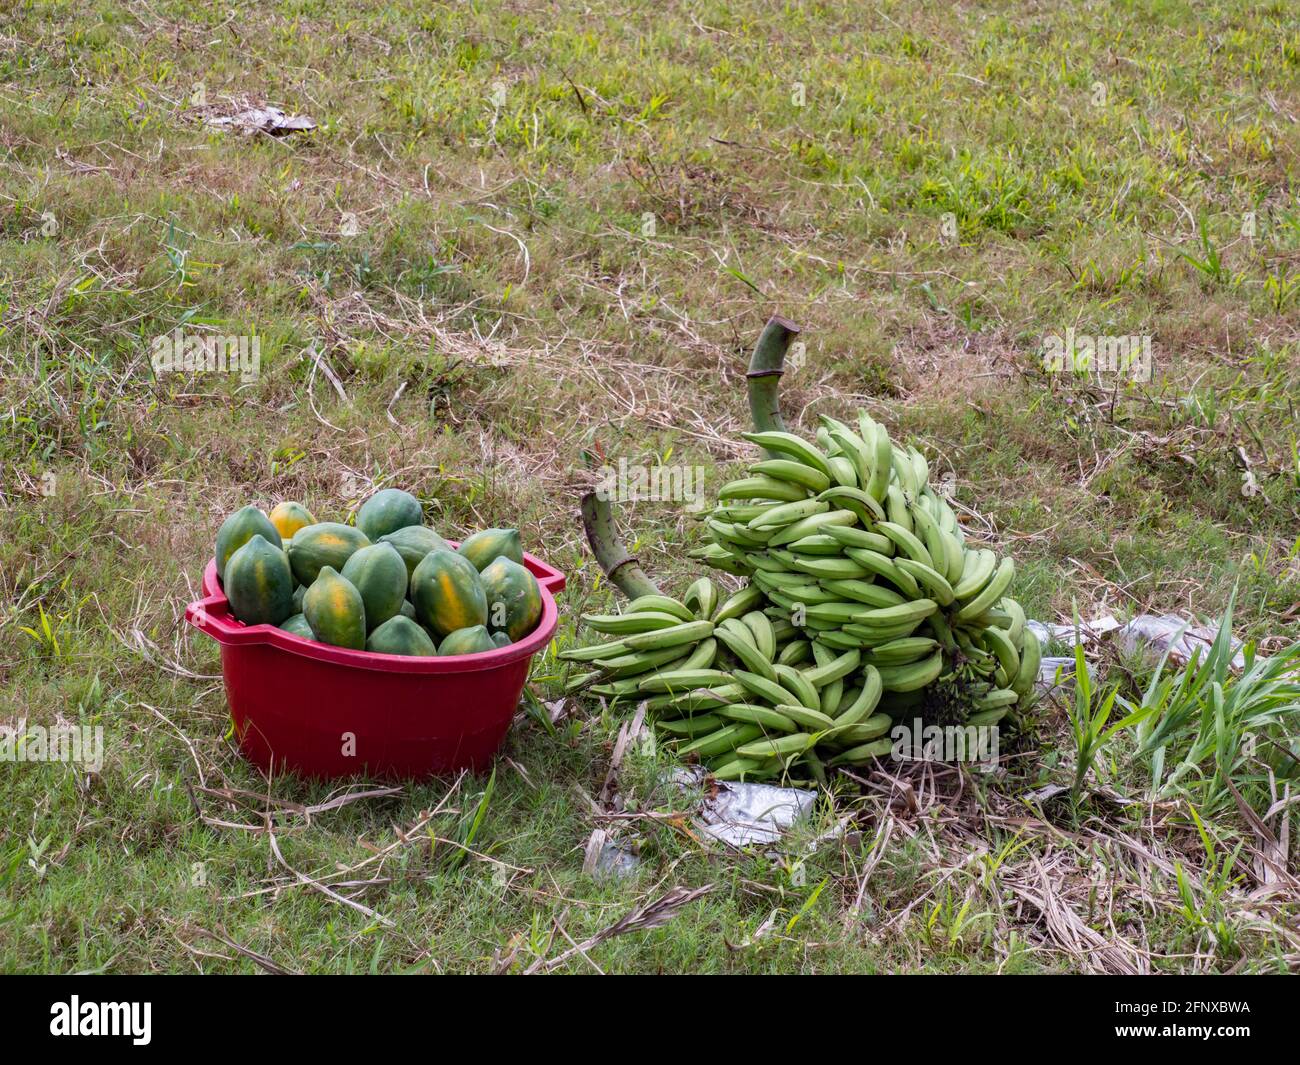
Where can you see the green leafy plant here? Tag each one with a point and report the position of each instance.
(1209, 262)
(1201, 725)
(1209, 911)
(1282, 288)
(1088, 717)
(468, 829)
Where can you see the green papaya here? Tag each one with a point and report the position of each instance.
(472, 640)
(258, 583)
(483, 547)
(379, 574)
(387, 511)
(514, 598)
(297, 624)
(447, 593)
(327, 543)
(407, 610)
(413, 543)
(400, 636)
(288, 517)
(238, 529)
(501, 639)
(335, 610)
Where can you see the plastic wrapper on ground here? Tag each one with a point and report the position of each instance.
(1178, 635)
(746, 815)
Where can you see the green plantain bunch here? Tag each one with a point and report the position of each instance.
(863, 597)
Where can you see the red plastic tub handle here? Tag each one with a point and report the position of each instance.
(212, 615)
(552, 579)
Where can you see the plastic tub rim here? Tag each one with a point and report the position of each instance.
(212, 616)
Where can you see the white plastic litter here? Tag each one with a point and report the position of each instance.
(1048, 681)
(746, 815)
(608, 858)
(1144, 632)
(1147, 631)
(1089, 631)
(1050, 667)
(269, 120)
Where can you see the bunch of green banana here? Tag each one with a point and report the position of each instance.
(747, 694)
(656, 634)
(849, 542)
(863, 594)
(801, 706)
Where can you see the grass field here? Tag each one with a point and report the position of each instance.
(524, 229)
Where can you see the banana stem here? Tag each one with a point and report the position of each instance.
(763, 380)
(623, 570)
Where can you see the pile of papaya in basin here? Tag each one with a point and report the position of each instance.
(387, 584)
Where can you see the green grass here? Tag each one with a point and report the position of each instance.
(1102, 167)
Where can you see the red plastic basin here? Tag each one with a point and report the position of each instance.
(322, 711)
